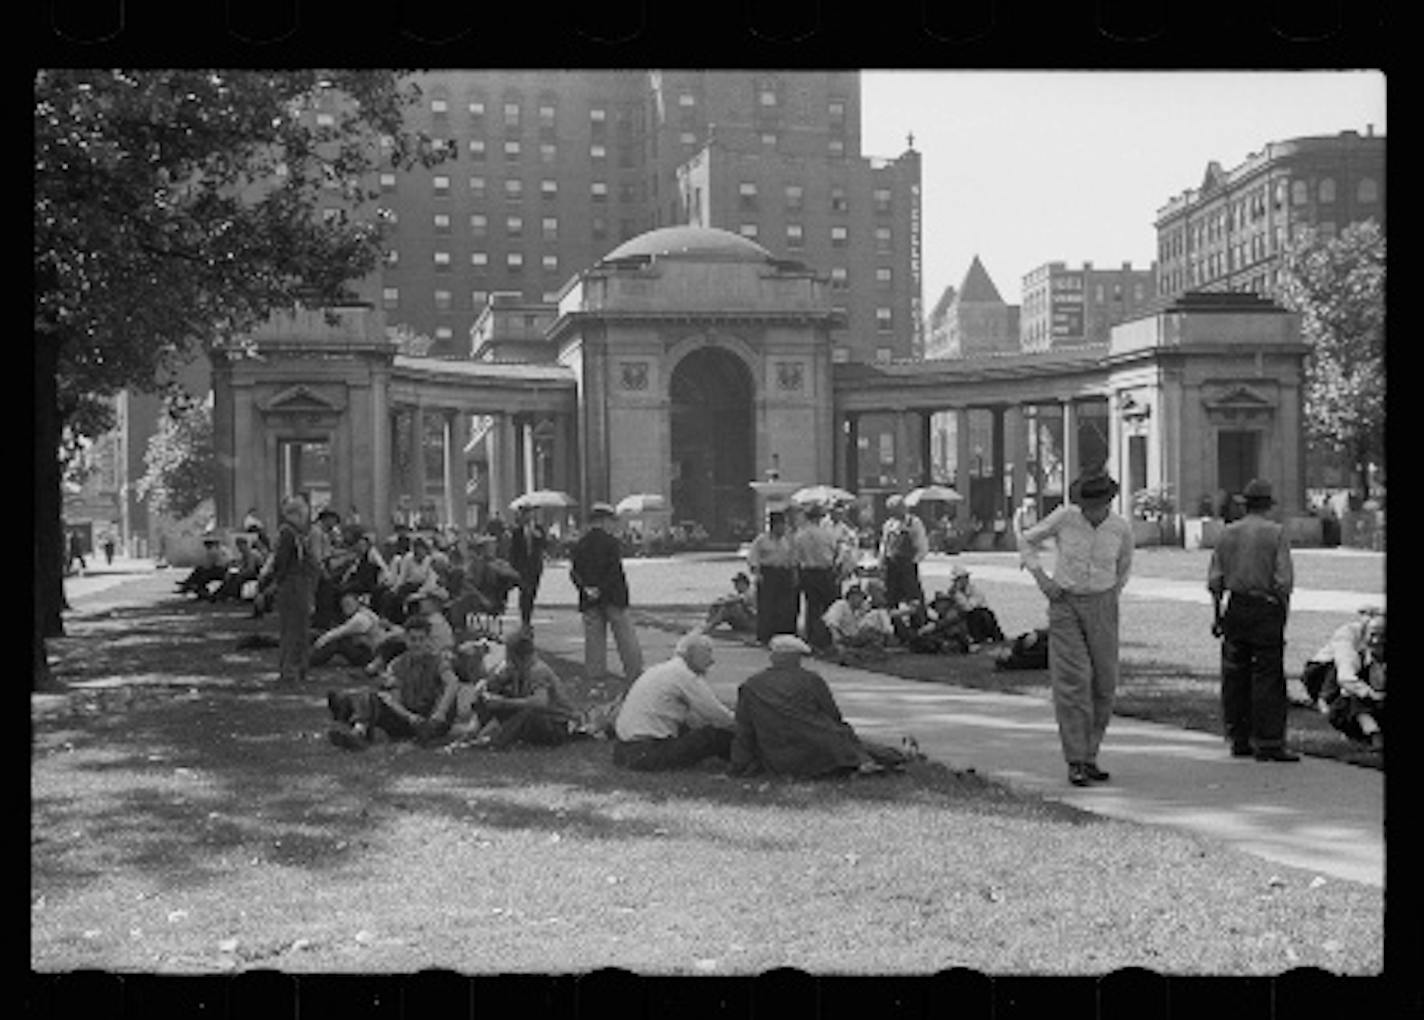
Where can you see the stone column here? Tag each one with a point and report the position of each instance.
(454, 485)
(1070, 445)
(508, 474)
(224, 442)
(850, 453)
(380, 519)
(494, 478)
(902, 451)
(997, 445)
(526, 439)
(417, 457)
(926, 448)
(1017, 441)
(961, 467)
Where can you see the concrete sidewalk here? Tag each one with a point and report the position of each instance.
(1321, 815)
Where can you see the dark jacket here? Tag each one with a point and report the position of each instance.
(788, 724)
(526, 555)
(597, 562)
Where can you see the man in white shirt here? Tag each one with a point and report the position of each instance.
(903, 544)
(671, 718)
(1094, 559)
(1346, 678)
(858, 630)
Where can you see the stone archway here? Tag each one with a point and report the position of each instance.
(713, 442)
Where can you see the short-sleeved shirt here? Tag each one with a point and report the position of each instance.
(1252, 557)
(420, 679)
(846, 622)
(511, 681)
(667, 697)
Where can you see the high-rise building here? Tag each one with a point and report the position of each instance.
(1063, 307)
(973, 320)
(1230, 233)
(549, 171)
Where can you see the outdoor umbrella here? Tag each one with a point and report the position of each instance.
(537, 498)
(931, 493)
(640, 503)
(823, 494)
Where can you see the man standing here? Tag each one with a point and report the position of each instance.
(596, 569)
(814, 554)
(903, 544)
(527, 543)
(1252, 563)
(671, 718)
(771, 560)
(1094, 559)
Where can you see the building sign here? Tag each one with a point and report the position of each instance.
(917, 337)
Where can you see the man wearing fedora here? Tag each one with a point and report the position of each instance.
(1251, 567)
(596, 569)
(1093, 563)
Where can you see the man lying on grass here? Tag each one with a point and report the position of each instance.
(416, 698)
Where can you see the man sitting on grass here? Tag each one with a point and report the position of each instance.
(737, 610)
(523, 700)
(354, 639)
(787, 723)
(1346, 679)
(415, 700)
(859, 632)
(670, 718)
(945, 630)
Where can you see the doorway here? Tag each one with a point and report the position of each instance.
(712, 441)
(1237, 459)
(305, 469)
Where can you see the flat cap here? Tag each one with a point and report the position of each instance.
(789, 643)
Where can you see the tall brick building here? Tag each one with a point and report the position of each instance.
(1063, 306)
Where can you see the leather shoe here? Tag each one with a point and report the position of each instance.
(1276, 754)
(1091, 770)
(1077, 775)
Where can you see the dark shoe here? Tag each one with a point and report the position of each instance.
(1241, 751)
(1097, 775)
(1077, 775)
(346, 738)
(339, 705)
(1276, 754)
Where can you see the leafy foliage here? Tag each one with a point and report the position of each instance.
(181, 460)
(1153, 503)
(1338, 286)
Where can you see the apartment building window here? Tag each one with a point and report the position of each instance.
(511, 115)
(883, 277)
(330, 215)
(551, 297)
(511, 150)
(514, 226)
(598, 191)
(439, 106)
(442, 223)
(478, 299)
(766, 95)
(598, 115)
(838, 200)
(836, 110)
(390, 297)
(1327, 230)
(325, 120)
(748, 230)
(444, 333)
(1098, 294)
(477, 187)
(884, 320)
(550, 228)
(442, 300)
(747, 195)
(548, 152)
(479, 225)
(840, 278)
(546, 117)
(836, 147)
(840, 355)
(1300, 193)
(626, 230)
(1327, 189)
(1367, 190)
(441, 184)
(477, 149)
(388, 182)
(795, 236)
(550, 263)
(687, 138)
(598, 227)
(838, 237)
(513, 190)
(479, 259)
(882, 355)
(515, 262)
(768, 138)
(596, 151)
(1137, 292)
(549, 189)
(841, 312)
(882, 200)
(686, 99)
(392, 257)
(477, 109)
(1117, 292)
(795, 196)
(882, 239)
(442, 261)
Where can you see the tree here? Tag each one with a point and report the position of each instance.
(1338, 286)
(176, 208)
(181, 461)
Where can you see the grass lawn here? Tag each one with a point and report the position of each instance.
(188, 817)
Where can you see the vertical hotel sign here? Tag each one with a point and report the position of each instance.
(917, 326)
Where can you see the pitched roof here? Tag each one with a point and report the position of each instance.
(977, 287)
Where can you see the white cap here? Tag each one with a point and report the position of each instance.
(789, 643)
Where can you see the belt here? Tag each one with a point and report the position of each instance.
(1257, 596)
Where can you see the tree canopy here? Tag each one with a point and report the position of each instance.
(181, 460)
(1338, 286)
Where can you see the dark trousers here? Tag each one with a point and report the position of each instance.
(355, 652)
(680, 752)
(902, 581)
(1253, 677)
(776, 603)
(983, 625)
(528, 591)
(369, 708)
(818, 591)
(529, 725)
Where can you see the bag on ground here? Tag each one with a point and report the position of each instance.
(1028, 650)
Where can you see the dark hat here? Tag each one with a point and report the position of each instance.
(1258, 490)
(854, 589)
(1097, 485)
(602, 510)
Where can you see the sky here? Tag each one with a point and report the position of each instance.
(1023, 168)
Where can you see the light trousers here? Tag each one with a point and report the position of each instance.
(1082, 669)
(596, 624)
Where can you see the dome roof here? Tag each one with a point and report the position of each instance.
(685, 240)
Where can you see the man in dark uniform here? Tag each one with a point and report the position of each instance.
(527, 542)
(1252, 565)
(596, 569)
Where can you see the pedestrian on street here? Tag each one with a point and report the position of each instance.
(1252, 565)
(109, 550)
(75, 552)
(295, 569)
(814, 549)
(527, 544)
(596, 569)
(1094, 559)
(771, 562)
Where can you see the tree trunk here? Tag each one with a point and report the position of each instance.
(49, 601)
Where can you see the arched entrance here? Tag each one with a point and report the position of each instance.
(713, 444)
